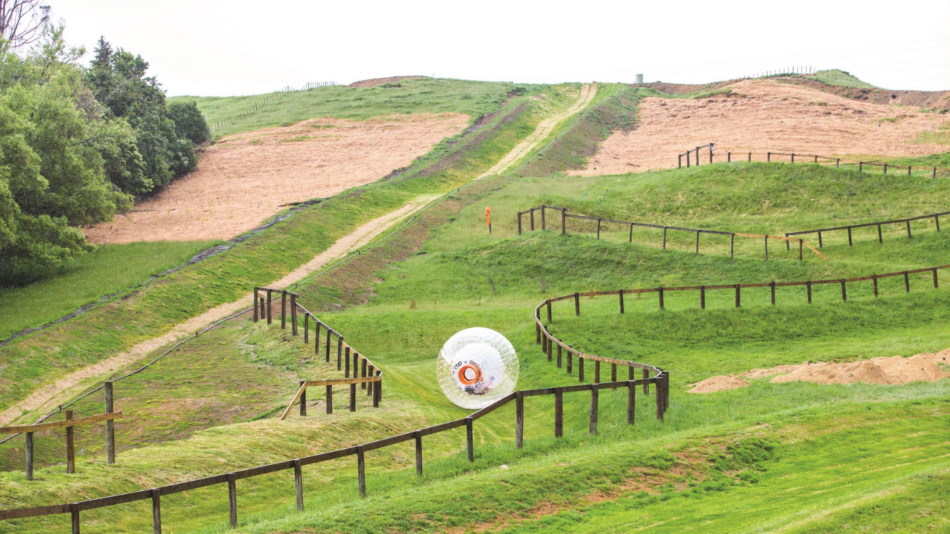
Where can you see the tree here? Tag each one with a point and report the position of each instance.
(22, 21)
(189, 122)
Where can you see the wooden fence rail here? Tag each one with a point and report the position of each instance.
(660, 379)
(600, 221)
(880, 236)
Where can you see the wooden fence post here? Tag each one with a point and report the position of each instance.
(254, 303)
(559, 412)
(935, 279)
(880, 237)
(328, 343)
(598, 228)
(908, 230)
(646, 385)
(570, 360)
(801, 248)
(363, 373)
(750, 156)
(793, 157)
(550, 349)
(110, 425)
(697, 241)
(303, 400)
(885, 168)
(70, 445)
(580, 369)
(346, 352)
(597, 371)
(679, 161)
(766, 248)
(844, 291)
(732, 246)
(630, 239)
(543, 219)
(631, 396)
(577, 304)
(532, 219)
(268, 306)
(702, 297)
(29, 455)
(519, 419)
(738, 287)
(469, 439)
(620, 293)
(293, 314)
(298, 484)
(558, 355)
(820, 243)
(768, 157)
(74, 516)
(788, 245)
(329, 399)
(371, 371)
(352, 397)
(306, 329)
(361, 469)
(874, 278)
(283, 309)
(728, 157)
(664, 238)
(418, 437)
(232, 498)
(906, 282)
(377, 392)
(544, 344)
(519, 223)
(339, 353)
(660, 291)
(937, 221)
(772, 284)
(549, 311)
(808, 285)
(659, 397)
(666, 390)
(613, 374)
(594, 397)
(563, 221)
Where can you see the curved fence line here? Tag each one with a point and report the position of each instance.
(660, 378)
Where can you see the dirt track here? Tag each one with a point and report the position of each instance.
(246, 178)
(761, 116)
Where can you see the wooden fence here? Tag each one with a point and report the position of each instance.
(69, 424)
(372, 377)
(600, 221)
(692, 157)
(660, 378)
(880, 237)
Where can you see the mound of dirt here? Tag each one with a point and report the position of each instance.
(718, 383)
(883, 370)
(373, 82)
(246, 178)
(762, 116)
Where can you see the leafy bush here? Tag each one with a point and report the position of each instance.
(189, 122)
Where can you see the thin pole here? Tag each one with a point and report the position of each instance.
(592, 427)
(110, 425)
(70, 445)
(418, 437)
(519, 419)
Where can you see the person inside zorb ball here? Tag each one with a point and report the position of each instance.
(476, 367)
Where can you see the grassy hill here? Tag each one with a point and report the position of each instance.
(742, 460)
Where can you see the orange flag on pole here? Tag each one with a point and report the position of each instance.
(488, 217)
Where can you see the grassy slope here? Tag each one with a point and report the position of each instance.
(108, 269)
(840, 77)
(447, 282)
(414, 96)
(28, 362)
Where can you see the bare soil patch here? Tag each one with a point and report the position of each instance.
(760, 116)
(882, 370)
(246, 178)
(373, 82)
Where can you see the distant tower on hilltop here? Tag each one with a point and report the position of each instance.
(639, 78)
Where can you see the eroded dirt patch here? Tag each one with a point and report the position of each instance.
(246, 178)
(761, 116)
(882, 370)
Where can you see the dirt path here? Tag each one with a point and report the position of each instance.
(48, 397)
(588, 91)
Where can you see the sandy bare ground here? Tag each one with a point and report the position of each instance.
(246, 178)
(883, 370)
(544, 128)
(48, 397)
(762, 116)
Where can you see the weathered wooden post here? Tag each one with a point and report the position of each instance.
(850, 243)
(559, 412)
(378, 391)
(577, 304)
(232, 498)
(702, 297)
(664, 238)
(808, 285)
(303, 399)
(363, 373)
(737, 295)
(580, 369)
(697, 241)
(469, 439)
(906, 282)
(519, 419)
(549, 310)
(631, 396)
(660, 291)
(29, 456)
(874, 278)
(646, 385)
(598, 228)
(418, 436)
(361, 469)
(352, 397)
(329, 399)
(563, 221)
(70, 445)
(620, 293)
(328, 343)
(298, 484)
(766, 248)
(293, 314)
(346, 372)
(306, 328)
(908, 230)
(283, 309)
(532, 219)
(519, 223)
(772, 286)
(597, 371)
(844, 291)
(558, 355)
(543, 219)
(659, 397)
(594, 396)
(110, 425)
(732, 246)
(254, 303)
(268, 306)
(339, 353)
(74, 517)
(156, 512)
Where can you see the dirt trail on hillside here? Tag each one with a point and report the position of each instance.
(882, 370)
(762, 116)
(246, 178)
(48, 397)
(545, 127)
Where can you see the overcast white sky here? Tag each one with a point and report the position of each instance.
(212, 47)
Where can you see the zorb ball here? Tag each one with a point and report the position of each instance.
(476, 367)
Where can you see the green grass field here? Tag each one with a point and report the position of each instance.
(796, 457)
(107, 270)
(840, 77)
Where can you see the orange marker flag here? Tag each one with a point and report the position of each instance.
(488, 217)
